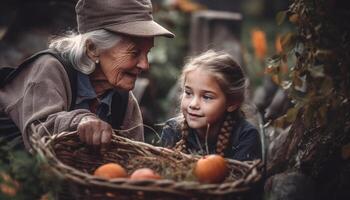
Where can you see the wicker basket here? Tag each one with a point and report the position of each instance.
(68, 158)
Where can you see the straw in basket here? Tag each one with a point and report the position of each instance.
(75, 162)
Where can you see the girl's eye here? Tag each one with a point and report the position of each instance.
(187, 93)
(207, 97)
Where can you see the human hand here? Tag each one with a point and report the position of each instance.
(94, 131)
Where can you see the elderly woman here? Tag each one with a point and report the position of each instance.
(90, 90)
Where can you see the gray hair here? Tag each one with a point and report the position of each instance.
(73, 47)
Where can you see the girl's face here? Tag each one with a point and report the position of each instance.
(122, 63)
(203, 102)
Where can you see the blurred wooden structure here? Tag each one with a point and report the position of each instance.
(219, 30)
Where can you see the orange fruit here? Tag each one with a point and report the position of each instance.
(144, 173)
(111, 170)
(9, 186)
(211, 169)
(294, 18)
(8, 190)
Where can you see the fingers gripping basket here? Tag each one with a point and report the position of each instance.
(73, 161)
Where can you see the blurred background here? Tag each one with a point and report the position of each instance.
(307, 151)
(249, 30)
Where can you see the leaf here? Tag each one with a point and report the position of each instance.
(288, 41)
(294, 18)
(325, 55)
(322, 114)
(300, 83)
(274, 61)
(280, 122)
(308, 116)
(269, 70)
(327, 86)
(317, 71)
(286, 84)
(272, 69)
(345, 151)
(280, 17)
(284, 69)
(292, 114)
(295, 79)
(276, 79)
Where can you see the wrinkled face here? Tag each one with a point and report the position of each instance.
(122, 63)
(203, 101)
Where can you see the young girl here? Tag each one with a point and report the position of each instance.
(213, 87)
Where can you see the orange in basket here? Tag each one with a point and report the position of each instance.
(111, 170)
(211, 169)
(144, 173)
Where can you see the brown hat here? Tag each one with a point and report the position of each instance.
(132, 17)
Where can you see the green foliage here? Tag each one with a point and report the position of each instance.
(280, 17)
(168, 57)
(256, 69)
(319, 81)
(29, 175)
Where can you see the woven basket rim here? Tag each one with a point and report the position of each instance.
(41, 146)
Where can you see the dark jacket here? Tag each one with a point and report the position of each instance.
(244, 141)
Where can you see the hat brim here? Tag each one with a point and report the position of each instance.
(141, 29)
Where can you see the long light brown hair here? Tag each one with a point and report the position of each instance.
(232, 81)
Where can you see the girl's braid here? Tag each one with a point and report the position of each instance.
(224, 135)
(181, 144)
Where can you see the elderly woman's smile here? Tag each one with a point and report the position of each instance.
(122, 63)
